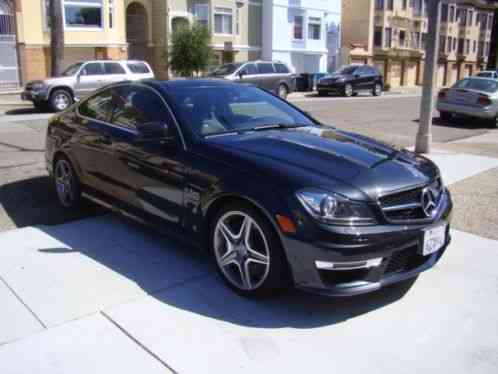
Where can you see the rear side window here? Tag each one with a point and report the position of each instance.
(250, 69)
(93, 68)
(98, 107)
(266, 68)
(281, 68)
(486, 85)
(138, 68)
(113, 68)
(136, 105)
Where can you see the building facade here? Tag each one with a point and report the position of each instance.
(235, 25)
(296, 32)
(391, 34)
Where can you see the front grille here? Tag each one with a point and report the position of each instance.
(404, 260)
(407, 205)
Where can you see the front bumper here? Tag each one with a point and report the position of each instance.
(34, 96)
(397, 248)
(467, 110)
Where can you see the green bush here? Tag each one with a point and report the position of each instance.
(190, 50)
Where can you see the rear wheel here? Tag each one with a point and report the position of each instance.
(247, 251)
(60, 100)
(283, 91)
(445, 116)
(377, 89)
(67, 184)
(493, 123)
(348, 90)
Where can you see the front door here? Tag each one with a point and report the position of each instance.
(91, 77)
(151, 175)
(249, 74)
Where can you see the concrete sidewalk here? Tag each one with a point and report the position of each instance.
(102, 295)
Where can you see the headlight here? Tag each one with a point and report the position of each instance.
(334, 209)
(38, 86)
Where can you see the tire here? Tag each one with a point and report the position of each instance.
(283, 91)
(60, 100)
(445, 116)
(493, 123)
(348, 90)
(67, 184)
(255, 265)
(377, 89)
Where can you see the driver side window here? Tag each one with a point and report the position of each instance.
(249, 69)
(93, 68)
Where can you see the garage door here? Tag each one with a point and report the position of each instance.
(452, 75)
(440, 75)
(395, 74)
(410, 73)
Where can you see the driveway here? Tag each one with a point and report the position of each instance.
(102, 295)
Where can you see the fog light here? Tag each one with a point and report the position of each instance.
(351, 265)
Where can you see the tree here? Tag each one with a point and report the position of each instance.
(190, 50)
(56, 36)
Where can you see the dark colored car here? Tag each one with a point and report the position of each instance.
(352, 79)
(272, 76)
(278, 198)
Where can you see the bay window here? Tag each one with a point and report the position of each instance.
(83, 13)
(223, 21)
(201, 14)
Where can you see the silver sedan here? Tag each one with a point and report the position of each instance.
(471, 97)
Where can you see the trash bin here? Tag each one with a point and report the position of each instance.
(307, 82)
(301, 83)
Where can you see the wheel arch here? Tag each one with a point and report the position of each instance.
(62, 153)
(60, 87)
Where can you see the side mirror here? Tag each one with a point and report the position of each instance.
(241, 74)
(154, 132)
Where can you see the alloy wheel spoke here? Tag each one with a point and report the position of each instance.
(228, 234)
(245, 231)
(257, 257)
(245, 275)
(230, 257)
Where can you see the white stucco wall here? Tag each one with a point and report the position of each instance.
(306, 55)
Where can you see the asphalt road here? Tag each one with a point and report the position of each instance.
(27, 197)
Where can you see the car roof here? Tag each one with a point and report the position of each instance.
(108, 60)
(171, 85)
(486, 71)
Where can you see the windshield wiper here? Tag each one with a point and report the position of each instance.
(277, 126)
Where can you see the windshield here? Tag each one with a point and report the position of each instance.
(479, 84)
(225, 69)
(347, 70)
(212, 110)
(71, 70)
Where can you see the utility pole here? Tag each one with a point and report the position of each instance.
(424, 135)
(166, 44)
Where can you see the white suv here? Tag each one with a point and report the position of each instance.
(80, 80)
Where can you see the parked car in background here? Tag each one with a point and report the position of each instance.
(272, 76)
(487, 74)
(471, 97)
(352, 79)
(277, 198)
(80, 80)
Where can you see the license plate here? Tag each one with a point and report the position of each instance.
(434, 239)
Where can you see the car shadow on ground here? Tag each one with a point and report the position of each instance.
(24, 111)
(33, 201)
(185, 278)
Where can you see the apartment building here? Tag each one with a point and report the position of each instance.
(235, 25)
(391, 34)
(296, 32)
(92, 29)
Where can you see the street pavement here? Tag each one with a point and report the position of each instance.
(88, 292)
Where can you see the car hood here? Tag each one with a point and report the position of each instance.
(54, 81)
(325, 158)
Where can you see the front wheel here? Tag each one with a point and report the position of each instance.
(60, 100)
(348, 90)
(247, 251)
(493, 123)
(67, 184)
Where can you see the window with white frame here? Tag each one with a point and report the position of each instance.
(201, 14)
(237, 21)
(223, 21)
(298, 27)
(111, 14)
(83, 13)
(314, 28)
